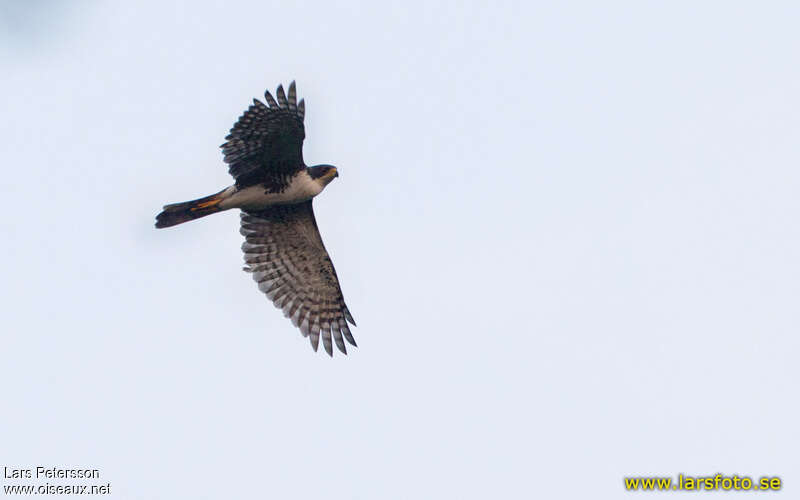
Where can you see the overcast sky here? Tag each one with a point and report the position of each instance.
(568, 232)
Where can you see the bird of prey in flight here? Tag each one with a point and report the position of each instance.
(273, 188)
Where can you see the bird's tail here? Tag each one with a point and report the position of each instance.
(178, 213)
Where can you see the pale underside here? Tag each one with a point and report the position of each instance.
(301, 188)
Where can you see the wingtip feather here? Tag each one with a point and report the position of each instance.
(281, 95)
(292, 96)
(270, 100)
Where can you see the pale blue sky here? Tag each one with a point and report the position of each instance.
(568, 233)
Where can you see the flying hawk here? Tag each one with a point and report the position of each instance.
(273, 188)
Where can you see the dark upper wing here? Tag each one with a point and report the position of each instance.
(266, 144)
(284, 251)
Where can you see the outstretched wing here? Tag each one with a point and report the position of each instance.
(284, 252)
(265, 145)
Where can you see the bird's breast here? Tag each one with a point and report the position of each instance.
(301, 188)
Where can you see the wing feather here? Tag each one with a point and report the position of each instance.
(270, 100)
(282, 98)
(292, 97)
(265, 145)
(284, 252)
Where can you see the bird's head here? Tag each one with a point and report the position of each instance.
(323, 173)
